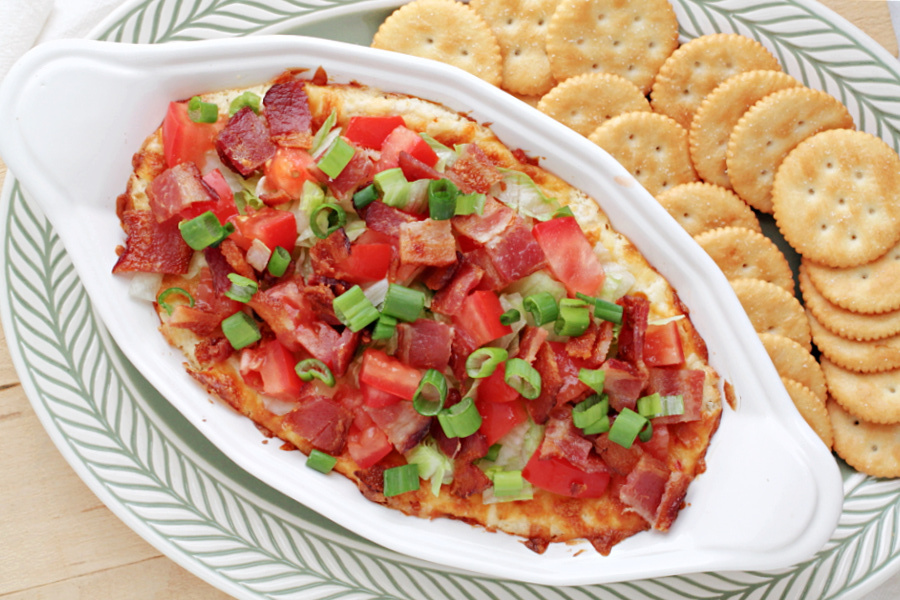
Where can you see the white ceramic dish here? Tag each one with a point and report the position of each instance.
(73, 113)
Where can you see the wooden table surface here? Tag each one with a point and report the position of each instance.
(57, 540)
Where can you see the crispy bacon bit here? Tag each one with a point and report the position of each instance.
(327, 256)
(436, 278)
(358, 172)
(634, 327)
(152, 247)
(287, 112)
(530, 342)
(175, 189)
(618, 458)
(386, 219)
(428, 243)
(672, 500)
(236, 259)
(623, 383)
(515, 253)
(244, 143)
(468, 479)
(593, 345)
(473, 171)
(400, 422)
(551, 381)
(322, 421)
(563, 440)
(644, 487)
(211, 350)
(493, 221)
(450, 298)
(672, 382)
(424, 344)
(572, 388)
(491, 278)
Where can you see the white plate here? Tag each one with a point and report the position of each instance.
(771, 496)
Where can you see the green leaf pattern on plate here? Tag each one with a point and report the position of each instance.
(149, 465)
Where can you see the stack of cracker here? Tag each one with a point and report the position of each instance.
(719, 135)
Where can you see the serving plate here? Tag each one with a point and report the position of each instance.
(153, 470)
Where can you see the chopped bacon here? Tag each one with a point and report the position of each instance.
(473, 171)
(672, 500)
(152, 247)
(515, 253)
(236, 259)
(623, 383)
(210, 308)
(672, 382)
(428, 242)
(175, 189)
(618, 458)
(493, 221)
(322, 421)
(469, 479)
(358, 172)
(244, 143)
(450, 298)
(414, 169)
(491, 278)
(210, 350)
(327, 256)
(551, 381)
(386, 219)
(288, 115)
(424, 344)
(436, 278)
(571, 388)
(593, 345)
(563, 440)
(530, 342)
(219, 269)
(635, 311)
(401, 423)
(644, 487)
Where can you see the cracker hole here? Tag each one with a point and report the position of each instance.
(696, 64)
(853, 236)
(892, 390)
(824, 226)
(540, 22)
(579, 41)
(651, 45)
(630, 68)
(429, 40)
(874, 448)
(841, 201)
(829, 165)
(601, 16)
(637, 18)
(637, 172)
(686, 215)
(858, 174)
(517, 52)
(595, 66)
(630, 136)
(768, 143)
(864, 276)
(509, 21)
(464, 52)
(764, 172)
(800, 123)
(811, 192)
(658, 148)
(616, 42)
(856, 422)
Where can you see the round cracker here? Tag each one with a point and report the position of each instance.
(700, 206)
(699, 66)
(872, 356)
(874, 397)
(632, 39)
(652, 147)
(742, 253)
(772, 309)
(811, 408)
(836, 198)
(446, 31)
(846, 323)
(868, 288)
(521, 30)
(793, 361)
(870, 448)
(585, 102)
(720, 111)
(769, 130)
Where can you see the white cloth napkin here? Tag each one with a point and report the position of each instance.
(21, 21)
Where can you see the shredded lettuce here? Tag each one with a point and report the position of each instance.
(518, 191)
(539, 281)
(324, 136)
(516, 448)
(446, 155)
(433, 464)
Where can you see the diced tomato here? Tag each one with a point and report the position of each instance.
(497, 418)
(376, 398)
(388, 374)
(224, 207)
(184, 140)
(403, 139)
(367, 446)
(288, 170)
(216, 181)
(370, 132)
(279, 378)
(367, 262)
(494, 389)
(662, 345)
(480, 317)
(271, 226)
(561, 477)
(570, 255)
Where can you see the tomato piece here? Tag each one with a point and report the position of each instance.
(662, 345)
(371, 132)
(569, 255)
(480, 317)
(388, 374)
(497, 418)
(367, 262)
(288, 170)
(184, 140)
(376, 398)
(279, 379)
(367, 446)
(224, 207)
(271, 226)
(494, 388)
(561, 477)
(403, 139)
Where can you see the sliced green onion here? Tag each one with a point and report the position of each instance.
(204, 230)
(542, 306)
(403, 303)
(564, 211)
(593, 378)
(493, 452)
(510, 317)
(460, 420)
(470, 204)
(574, 317)
(646, 432)
(393, 187)
(484, 361)
(508, 483)
(655, 405)
(364, 197)
(384, 328)
(353, 309)
(320, 461)
(590, 410)
(202, 112)
(173, 291)
(523, 378)
(431, 394)
(241, 330)
(601, 426)
(336, 158)
(604, 309)
(442, 195)
(399, 480)
(246, 198)
(626, 428)
(246, 99)
(279, 261)
(313, 367)
(242, 288)
(335, 218)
